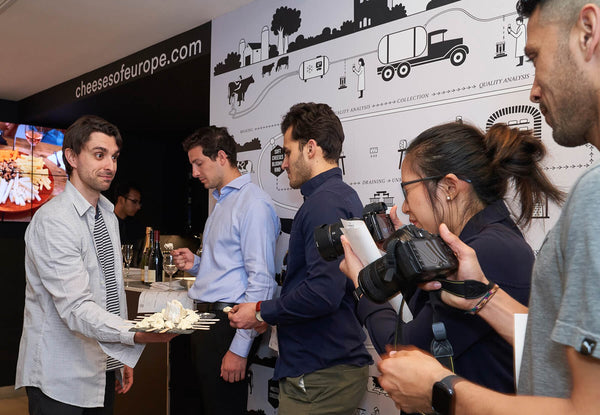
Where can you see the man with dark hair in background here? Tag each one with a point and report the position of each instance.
(561, 356)
(237, 265)
(128, 201)
(323, 363)
(75, 340)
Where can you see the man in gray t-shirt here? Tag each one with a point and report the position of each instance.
(564, 307)
(561, 360)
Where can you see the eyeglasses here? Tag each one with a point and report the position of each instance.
(404, 184)
(135, 201)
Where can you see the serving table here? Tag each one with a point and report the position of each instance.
(149, 394)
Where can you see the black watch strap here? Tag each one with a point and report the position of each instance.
(451, 380)
(443, 395)
(358, 293)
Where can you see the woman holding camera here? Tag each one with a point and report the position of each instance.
(455, 174)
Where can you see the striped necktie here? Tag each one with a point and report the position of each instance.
(106, 256)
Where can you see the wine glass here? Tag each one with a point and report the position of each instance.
(127, 251)
(33, 135)
(169, 266)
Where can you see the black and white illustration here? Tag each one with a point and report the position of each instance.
(313, 68)
(520, 34)
(399, 52)
(359, 70)
(237, 89)
(390, 69)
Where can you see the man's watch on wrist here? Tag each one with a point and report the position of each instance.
(443, 396)
(257, 312)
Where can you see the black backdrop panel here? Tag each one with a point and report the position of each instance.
(154, 114)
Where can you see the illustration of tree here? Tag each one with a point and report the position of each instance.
(285, 22)
(398, 12)
(231, 62)
(438, 3)
(297, 44)
(347, 27)
(272, 51)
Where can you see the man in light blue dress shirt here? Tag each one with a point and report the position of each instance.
(237, 266)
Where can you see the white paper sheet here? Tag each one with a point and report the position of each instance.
(273, 340)
(520, 326)
(361, 240)
(367, 251)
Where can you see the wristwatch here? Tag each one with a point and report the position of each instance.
(257, 312)
(442, 395)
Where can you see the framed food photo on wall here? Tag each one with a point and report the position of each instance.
(32, 170)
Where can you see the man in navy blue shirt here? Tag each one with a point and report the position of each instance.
(323, 364)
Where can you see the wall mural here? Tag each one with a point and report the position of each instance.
(390, 69)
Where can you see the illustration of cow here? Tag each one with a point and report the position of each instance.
(239, 88)
(285, 60)
(267, 69)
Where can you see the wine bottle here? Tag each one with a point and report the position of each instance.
(155, 266)
(149, 274)
(145, 253)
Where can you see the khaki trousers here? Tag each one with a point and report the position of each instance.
(336, 390)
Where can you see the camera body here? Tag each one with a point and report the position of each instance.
(413, 256)
(379, 224)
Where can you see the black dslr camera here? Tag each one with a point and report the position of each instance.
(413, 256)
(379, 224)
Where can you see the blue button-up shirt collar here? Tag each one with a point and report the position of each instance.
(235, 184)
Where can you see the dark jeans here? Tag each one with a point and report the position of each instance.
(42, 404)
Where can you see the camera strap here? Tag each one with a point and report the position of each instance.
(468, 289)
(440, 347)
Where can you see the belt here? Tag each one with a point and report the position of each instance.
(218, 306)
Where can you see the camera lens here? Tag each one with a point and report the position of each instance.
(378, 281)
(327, 239)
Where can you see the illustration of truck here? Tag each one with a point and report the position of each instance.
(313, 68)
(400, 51)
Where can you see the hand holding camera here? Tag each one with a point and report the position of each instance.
(351, 264)
(378, 223)
(468, 270)
(413, 255)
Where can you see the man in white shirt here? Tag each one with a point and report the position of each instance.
(75, 340)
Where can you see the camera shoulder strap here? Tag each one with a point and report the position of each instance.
(468, 289)
(440, 346)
